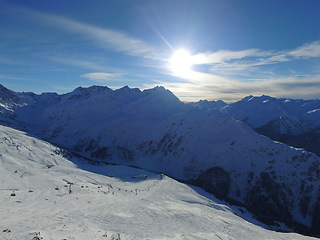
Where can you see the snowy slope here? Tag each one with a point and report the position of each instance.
(110, 205)
(153, 130)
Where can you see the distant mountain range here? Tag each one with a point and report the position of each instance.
(154, 130)
(294, 122)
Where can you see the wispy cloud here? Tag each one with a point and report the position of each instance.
(216, 87)
(309, 50)
(245, 59)
(234, 74)
(13, 77)
(225, 56)
(230, 75)
(78, 62)
(102, 76)
(223, 74)
(106, 38)
(14, 61)
(7, 61)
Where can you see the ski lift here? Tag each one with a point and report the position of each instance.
(69, 183)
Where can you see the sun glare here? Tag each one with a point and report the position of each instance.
(181, 62)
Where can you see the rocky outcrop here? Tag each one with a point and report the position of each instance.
(215, 180)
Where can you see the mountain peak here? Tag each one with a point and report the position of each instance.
(205, 104)
(9, 97)
(160, 95)
(91, 89)
(80, 92)
(127, 89)
(257, 98)
(158, 90)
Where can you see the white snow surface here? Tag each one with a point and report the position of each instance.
(106, 202)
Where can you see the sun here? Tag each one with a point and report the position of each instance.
(180, 62)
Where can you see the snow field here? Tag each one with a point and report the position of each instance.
(107, 202)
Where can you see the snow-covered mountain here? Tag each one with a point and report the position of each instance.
(294, 122)
(153, 130)
(217, 105)
(119, 203)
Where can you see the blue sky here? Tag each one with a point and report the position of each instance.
(234, 48)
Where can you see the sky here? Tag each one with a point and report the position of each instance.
(198, 49)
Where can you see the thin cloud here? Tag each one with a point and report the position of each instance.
(214, 87)
(224, 74)
(7, 61)
(102, 76)
(245, 59)
(85, 64)
(293, 83)
(106, 38)
(225, 56)
(231, 75)
(309, 50)
(11, 77)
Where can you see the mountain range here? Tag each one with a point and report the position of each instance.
(209, 147)
(294, 122)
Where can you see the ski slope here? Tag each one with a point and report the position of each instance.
(106, 202)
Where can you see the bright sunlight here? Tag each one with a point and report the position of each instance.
(181, 62)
